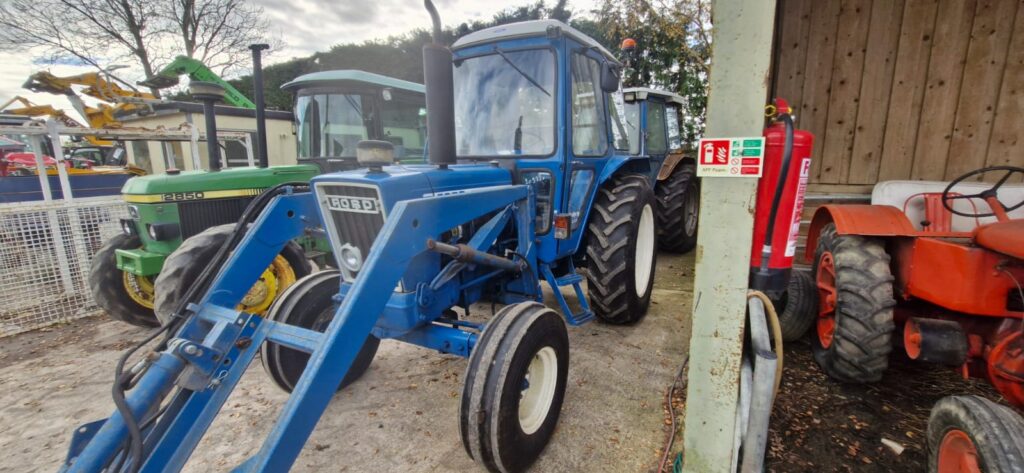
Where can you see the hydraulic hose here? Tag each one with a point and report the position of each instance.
(787, 154)
(766, 375)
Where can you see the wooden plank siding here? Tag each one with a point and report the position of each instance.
(903, 89)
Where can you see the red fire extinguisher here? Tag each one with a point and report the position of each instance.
(780, 201)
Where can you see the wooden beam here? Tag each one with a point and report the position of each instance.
(740, 62)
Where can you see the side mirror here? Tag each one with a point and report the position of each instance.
(610, 76)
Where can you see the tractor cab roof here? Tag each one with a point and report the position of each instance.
(352, 77)
(641, 93)
(527, 29)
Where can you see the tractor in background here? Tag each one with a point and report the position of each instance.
(334, 110)
(652, 121)
(526, 179)
(937, 270)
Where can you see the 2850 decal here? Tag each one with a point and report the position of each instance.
(175, 196)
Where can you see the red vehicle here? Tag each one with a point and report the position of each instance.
(947, 295)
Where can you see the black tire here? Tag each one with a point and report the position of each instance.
(613, 236)
(862, 339)
(798, 307)
(187, 263)
(308, 303)
(489, 416)
(107, 284)
(678, 198)
(995, 432)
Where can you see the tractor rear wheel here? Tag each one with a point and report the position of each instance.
(514, 387)
(973, 434)
(621, 249)
(678, 199)
(187, 263)
(122, 295)
(855, 301)
(798, 307)
(309, 304)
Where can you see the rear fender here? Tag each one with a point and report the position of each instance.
(670, 163)
(858, 219)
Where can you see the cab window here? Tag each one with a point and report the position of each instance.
(656, 143)
(589, 127)
(404, 125)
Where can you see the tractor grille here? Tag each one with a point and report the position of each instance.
(196, 216)
(354, 216)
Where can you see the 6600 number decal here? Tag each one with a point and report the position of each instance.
(174, 196)
(353, 204)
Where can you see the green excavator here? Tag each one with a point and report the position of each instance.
(197, 71)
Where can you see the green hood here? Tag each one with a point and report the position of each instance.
(227, 179)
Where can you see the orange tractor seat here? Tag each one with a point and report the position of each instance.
(1002, 237)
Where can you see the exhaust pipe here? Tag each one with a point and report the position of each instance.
(440, 90)
(209, 93)
(261, 109)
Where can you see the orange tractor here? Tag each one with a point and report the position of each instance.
(944, 281)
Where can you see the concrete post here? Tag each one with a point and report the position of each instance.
(740, 64)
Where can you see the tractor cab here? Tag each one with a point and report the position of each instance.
(335, 110)
(652, 121)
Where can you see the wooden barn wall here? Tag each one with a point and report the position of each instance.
(903, 89)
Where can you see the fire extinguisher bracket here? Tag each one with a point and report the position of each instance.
(731, 157)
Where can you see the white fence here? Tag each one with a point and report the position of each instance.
(45, 252)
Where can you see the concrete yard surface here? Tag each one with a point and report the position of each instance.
(401, 416)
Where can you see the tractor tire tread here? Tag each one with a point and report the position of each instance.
(996, 431)
(670, 211)
(610, 247)
(864, 308)
(106, 284)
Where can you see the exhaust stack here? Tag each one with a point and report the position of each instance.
(440, 90)
(209, 93)
(261, 109)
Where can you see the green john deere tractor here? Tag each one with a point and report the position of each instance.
(334, 110)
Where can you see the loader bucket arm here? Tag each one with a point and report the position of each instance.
(197, 71)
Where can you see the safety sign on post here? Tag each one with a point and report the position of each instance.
(730, 157)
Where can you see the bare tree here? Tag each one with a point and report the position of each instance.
(145, 33)
(217, 32)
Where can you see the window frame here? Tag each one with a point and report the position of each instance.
(596, 81)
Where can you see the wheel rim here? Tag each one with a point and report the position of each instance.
(644, 251)
(139, 289)
(691, 208)
(827, 295)
(274, 280)
(538, 390)
(957, 453)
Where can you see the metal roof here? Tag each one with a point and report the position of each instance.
(525, 29)
(668, 96)
(351, 75)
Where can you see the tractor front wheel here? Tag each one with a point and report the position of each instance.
(514, 387)
(122, 295)
(678, 199)
(621, 249)
(970, 434)
(187, 263)
(309, 304)
(855, 301)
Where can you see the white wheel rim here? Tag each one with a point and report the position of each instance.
(538, 390)
(644, 257)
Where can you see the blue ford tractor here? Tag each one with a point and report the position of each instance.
(529, 176)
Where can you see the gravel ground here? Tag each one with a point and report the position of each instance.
(401, 415)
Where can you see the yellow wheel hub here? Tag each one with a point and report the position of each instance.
(274, 280)
(139, 289)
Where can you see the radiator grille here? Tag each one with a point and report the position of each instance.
(199, 215)
(354, 217)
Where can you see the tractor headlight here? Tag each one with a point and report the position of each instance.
(128, 226)
(350, 258)
(133, 212)
(163, 231)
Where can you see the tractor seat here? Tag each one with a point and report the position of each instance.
(1002, 237)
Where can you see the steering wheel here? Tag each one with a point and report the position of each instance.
(983, 195)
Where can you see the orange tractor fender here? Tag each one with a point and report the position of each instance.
(858, 219)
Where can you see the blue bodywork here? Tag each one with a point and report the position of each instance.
(402, 290)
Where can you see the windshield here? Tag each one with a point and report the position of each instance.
(505, 104)
(330, 125)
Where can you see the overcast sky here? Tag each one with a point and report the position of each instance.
(306, 26)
